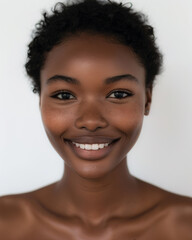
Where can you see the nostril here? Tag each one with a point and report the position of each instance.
(91, 124)
(91, 127)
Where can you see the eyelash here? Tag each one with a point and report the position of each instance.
(62, 92)
(129, 94)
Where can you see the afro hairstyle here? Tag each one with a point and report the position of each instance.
(104, 17)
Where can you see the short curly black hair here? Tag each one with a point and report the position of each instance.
(104, 17)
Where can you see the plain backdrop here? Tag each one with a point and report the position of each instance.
(163, 154)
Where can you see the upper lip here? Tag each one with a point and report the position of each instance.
(91, 140)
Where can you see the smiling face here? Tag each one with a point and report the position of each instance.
(93, 100)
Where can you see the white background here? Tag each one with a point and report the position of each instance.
(162, 155)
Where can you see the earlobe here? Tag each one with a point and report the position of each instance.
(146, 112)
(148, 100)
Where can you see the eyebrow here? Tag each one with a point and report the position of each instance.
(74, 81)
(62, 78)
(121, 77)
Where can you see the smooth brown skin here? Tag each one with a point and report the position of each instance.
(95, 199)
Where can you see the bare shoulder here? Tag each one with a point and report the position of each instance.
(15, 214)
(21, 213)
(22, 216)
(180, 207)
(177, 216)
(177, 204)
(12, 206)
(17, 206)
(21, 207)
(172, 215)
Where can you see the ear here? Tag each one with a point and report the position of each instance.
(148, 99)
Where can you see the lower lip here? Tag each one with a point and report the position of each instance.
(91, 154)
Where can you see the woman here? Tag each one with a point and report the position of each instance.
(93, 64)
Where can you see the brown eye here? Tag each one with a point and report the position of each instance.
(120, 94)
(64, 96)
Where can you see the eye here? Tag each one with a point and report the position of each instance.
(63, 95)
(119, 94)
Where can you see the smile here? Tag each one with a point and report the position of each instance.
(94, 146)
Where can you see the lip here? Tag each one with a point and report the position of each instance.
(91, 140)
(92, 154)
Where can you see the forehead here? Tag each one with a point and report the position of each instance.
(85, 54)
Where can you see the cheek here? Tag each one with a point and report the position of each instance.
(127, 117)
(56, 122)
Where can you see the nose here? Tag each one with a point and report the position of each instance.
(90, 117)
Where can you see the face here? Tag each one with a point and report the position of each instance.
(93, 100)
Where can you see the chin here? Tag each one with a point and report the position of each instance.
(94, 170)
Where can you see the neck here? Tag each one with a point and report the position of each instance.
(97, 199)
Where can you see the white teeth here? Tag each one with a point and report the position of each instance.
(95, 147)
(91, 146)
(88, 146)
(82, 146)
(101, 145)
